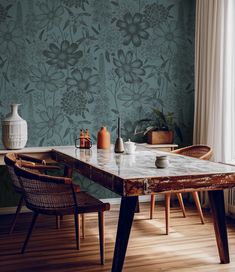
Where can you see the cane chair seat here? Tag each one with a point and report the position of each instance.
(85, 204)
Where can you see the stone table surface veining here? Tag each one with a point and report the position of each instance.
(141, 164)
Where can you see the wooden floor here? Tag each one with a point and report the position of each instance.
(190, 246)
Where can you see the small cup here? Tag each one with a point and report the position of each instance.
(162, 162)
(129, 147)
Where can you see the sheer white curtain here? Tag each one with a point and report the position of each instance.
(214, 119)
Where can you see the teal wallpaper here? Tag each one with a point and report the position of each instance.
(76, 64)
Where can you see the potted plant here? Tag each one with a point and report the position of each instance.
(159, 130)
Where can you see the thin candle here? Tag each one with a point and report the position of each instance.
(119, 127)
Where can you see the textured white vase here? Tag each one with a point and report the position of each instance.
(14, 130)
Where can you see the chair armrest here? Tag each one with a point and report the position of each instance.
(29, 174)
(30, 158)
(28, 164)
(40, 166)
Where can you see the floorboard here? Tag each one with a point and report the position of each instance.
(190, 246)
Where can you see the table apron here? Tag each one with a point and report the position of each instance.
(147, 186)
(107, 180)
(187, 183)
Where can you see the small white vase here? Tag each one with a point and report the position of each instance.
(14, 130)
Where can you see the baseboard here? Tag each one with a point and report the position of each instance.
(145, 198)
(10, 210)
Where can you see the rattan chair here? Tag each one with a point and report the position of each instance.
(36, 165)
(50, 195)
(26, 160)
(202, 152)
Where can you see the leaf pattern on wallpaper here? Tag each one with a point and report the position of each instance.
(82, 63)
(10, 38)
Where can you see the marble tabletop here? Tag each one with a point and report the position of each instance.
(141, 164)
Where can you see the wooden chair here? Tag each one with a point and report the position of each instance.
(36, 165)
(26, 160)
(50, 195)
(202, 152)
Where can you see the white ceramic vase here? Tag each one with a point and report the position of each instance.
(14, 130)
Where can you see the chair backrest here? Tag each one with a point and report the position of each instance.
(26, 160)
(45, 193)
(202, 152)
(10, 160)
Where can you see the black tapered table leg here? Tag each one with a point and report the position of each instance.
(137, 207)
(126, 215)
(218, 213)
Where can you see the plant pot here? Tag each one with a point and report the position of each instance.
(160, 137)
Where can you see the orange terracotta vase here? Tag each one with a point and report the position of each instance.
(103, 138)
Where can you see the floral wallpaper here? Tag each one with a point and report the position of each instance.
(76, 64)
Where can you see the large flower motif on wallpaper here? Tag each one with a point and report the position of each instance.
(50, 15)
(169, 36)
(47, 78)
(74, 102)
(10, 38)
(51, 121)
(79, 93)
(64, 55)
(128, 67)
(156, 14)
(134, 96)
(82, 80)
(134, 28)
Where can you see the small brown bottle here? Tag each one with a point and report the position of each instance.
(82, 139)
(87, 138)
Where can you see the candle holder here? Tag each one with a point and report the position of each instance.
(119, 146)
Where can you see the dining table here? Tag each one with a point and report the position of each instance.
(134, 175)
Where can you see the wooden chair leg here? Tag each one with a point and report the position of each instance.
(57, 221)
(16, 214)
(35, 216)
(198, 205)
(77, 229)
(101, 235)
(181, 202)
(152, 206)
(83, 225)
(167, 211)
